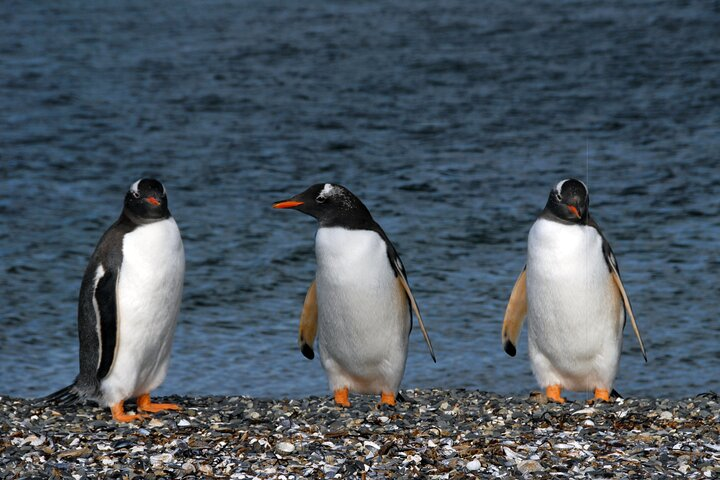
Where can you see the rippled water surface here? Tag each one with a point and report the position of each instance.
(450, 120)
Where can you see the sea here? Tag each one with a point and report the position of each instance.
(451, 121)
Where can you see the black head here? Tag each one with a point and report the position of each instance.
(569, 201)
(146, 201)
(333, 206)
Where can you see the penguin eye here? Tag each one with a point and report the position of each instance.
(558, 197)
(320, 199)
(135, 194)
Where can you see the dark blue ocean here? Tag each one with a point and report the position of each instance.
(450, 120)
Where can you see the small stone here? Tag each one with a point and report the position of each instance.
(161, 459)
(473, 465)
(183, 423)
(155, 423)
(285, 447)
(370, 444)
(529, 466)
(666, 415)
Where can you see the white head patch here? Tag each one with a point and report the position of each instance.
(134, 186)
(558, 187)
(328, 190)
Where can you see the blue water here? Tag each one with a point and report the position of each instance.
(450, 120)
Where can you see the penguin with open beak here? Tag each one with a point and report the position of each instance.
(573, 297)
(360, 303)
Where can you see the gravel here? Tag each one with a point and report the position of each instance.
(433, 434)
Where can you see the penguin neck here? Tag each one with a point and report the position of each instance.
(549, 213)
(127, 216)
(348, 222)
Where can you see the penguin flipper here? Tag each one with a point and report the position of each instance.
(308, 322)
(404, 285)
(401, 275)
(97, 323)
(628, 308)
(615, 274)
(515, 314)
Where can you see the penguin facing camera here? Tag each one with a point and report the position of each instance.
(128, 306)
(573, 297)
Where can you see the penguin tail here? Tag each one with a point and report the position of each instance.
(67, 396)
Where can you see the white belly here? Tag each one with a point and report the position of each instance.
(574, 310)
(363, 316)
(149, 292)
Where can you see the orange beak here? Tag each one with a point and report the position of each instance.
(152, 201)
(287, 204)
(574, 211)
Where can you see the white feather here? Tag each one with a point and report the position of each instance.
(149, 291)
(363, 317)
(574, 310)
(99, 272)
(328, 190)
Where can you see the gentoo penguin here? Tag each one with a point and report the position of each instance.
(574, 299)
(128, 307)
(359, 303)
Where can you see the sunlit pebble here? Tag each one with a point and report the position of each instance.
(285, 447)
(473, 465)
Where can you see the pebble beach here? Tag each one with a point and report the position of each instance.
(441, 434)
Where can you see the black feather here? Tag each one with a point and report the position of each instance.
(65, 396)
(307, 351)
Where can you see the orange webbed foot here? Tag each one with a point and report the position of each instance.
(119, 415)
(145, 405)
(341, 397)
(552, 392)
(387, 399)
(601, 395)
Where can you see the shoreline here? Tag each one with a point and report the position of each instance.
(433, 434)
